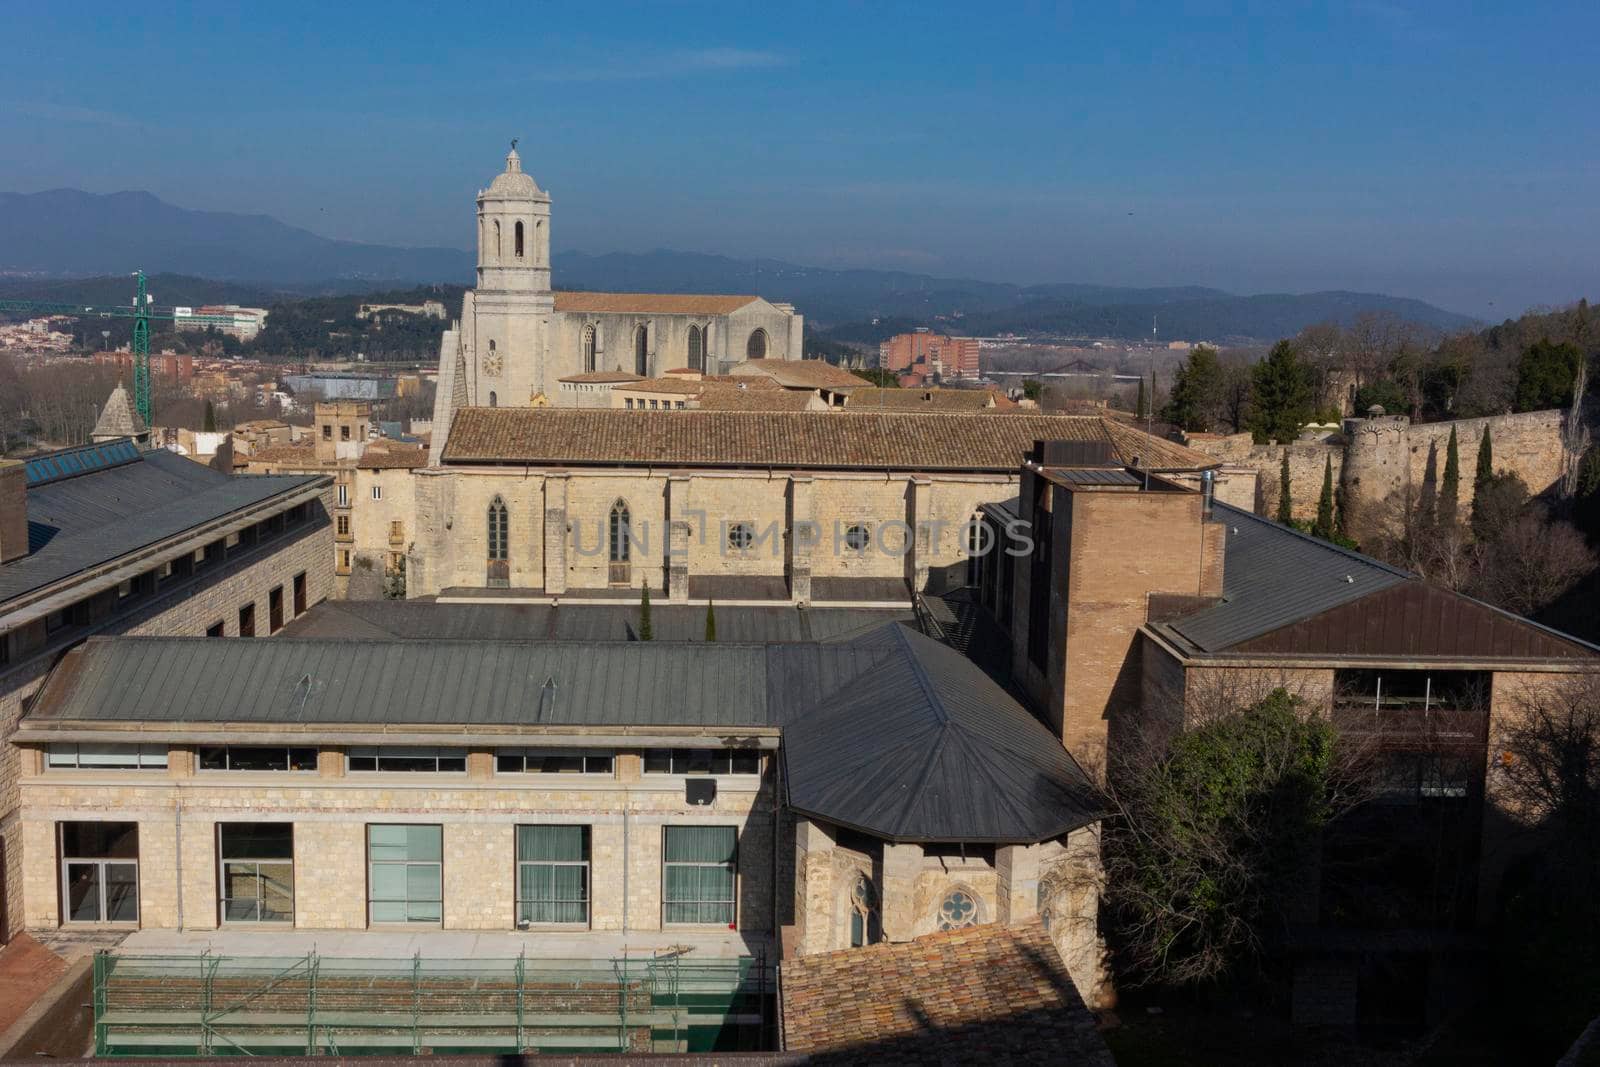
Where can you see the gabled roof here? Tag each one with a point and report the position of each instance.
(1285, 593)
(948, 754)
(80, 522)
(914, 752)
(848, 440)
(650, 303)
(801, 373)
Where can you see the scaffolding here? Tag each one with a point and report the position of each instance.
(210, 1005)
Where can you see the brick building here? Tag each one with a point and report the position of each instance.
(930, 354)
(1144, 604)
(109, 539)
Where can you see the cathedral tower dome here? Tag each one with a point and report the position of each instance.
(514, 232)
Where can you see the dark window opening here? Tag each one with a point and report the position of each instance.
(247, 620)
(275, 610)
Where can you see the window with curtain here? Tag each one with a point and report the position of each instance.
(552, 874)
(257, 865)
(405, 874)
(499, 530)
(697, 875)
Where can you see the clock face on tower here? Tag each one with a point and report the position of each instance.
(491, 365)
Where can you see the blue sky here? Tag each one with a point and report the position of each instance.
(1449, 152)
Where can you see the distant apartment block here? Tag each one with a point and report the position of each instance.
(433, 309)
(175, 365)
(928, 353)
(242, 322)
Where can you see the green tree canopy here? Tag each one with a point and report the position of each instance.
(1196, 391)
(1450, 486)
(1546, 374)
(210, 423)
(1215, 840)
(646, 631)
(1281, 396)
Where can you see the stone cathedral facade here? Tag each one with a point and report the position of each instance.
(517, 338)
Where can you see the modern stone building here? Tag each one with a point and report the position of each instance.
(517, 338)
(110, 539)
(739, 798)
(1145, 606)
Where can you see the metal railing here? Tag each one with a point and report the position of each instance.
(205, 1004)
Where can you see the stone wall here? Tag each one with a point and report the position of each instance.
(330, 810)
(1374, 457)
(186, 611)
(559, 526)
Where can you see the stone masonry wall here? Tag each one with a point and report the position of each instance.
(330, 810)
(185, 611)
(1373, 457)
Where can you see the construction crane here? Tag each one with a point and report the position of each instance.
(141, 311)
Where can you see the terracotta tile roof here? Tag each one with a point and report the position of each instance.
(774, 399)
(651, 303)
(393, 456)
(602, 376)
(929, 399)
(983, 994)
(802, 373)
(297, 455)
(805, 440)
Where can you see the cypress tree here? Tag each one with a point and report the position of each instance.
(1324, 524)
(645, 632)
(1450, 486)
(1143, 402)
(1484, 474)
(1340, 523)
(210, 424)
(1285, 507)
(711, 621)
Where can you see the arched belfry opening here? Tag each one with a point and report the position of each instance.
(519, 244)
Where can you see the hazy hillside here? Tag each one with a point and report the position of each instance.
(69, 233)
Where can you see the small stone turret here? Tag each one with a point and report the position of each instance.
(118, 419)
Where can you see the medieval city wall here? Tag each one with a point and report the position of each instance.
(1374, 457)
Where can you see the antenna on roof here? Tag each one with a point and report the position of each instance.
(1150, 404)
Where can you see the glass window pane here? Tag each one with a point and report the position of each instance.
(277, 892)
(114, 757)
(658, 761)
(258, 759)
(83, 892)
(406, 761)
(424, 843)
(302, 759)
(256, 841)
(422, 912)
(388, 911)
(387, 842)
(63, 756)
(422, 881)
(745, 761)
(455, 763)
(213, 758)
(552, 843)
(100, 840)
(700, 844)
(122, 892)
(508, 762)
(388, 881)
(598, 765)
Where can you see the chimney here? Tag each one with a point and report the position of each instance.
(13, 510)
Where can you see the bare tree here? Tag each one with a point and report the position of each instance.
(1534, 561)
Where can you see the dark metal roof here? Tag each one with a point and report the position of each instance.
(79, 522)
(419, 620)
(1274, 575)
(888, 731)
(920, 750)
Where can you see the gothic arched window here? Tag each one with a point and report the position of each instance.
(519, 238)
(497, 240)
(863, 913)
(618, 536)
(697, 352)
(499, 530)
(756, 347)
(494, 401)
(641, 351)
(588, 347)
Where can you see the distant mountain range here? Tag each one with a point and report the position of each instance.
(64, 233)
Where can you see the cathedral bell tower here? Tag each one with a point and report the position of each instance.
(507, 319)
